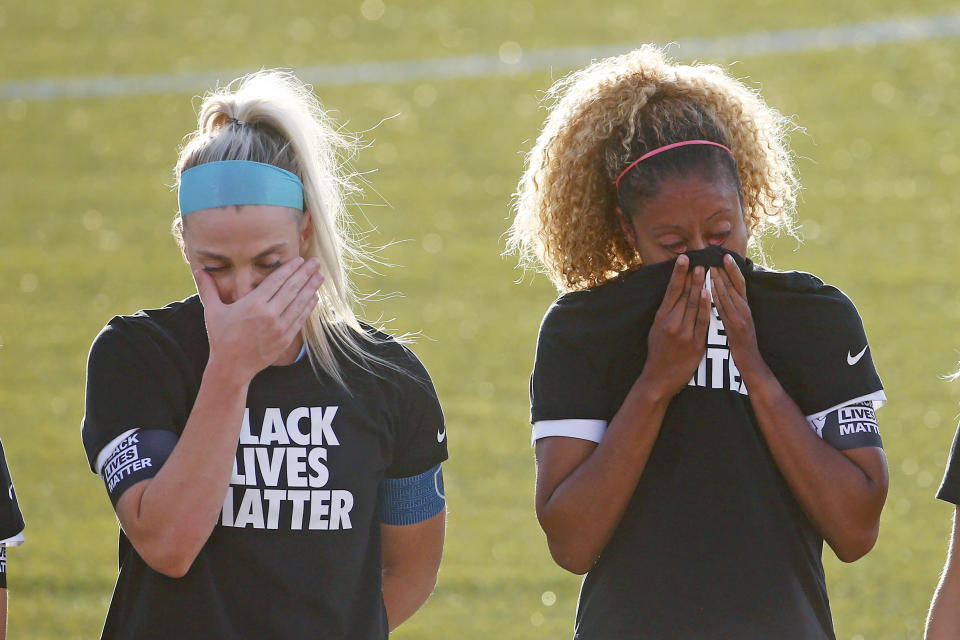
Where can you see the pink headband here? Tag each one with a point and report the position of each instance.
(650, 154)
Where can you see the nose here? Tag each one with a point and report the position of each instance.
(241, 282)
(697, 242)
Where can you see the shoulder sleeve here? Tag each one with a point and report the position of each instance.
(11, 519)
(421, 433)
(566, 383)
(819, 352)
(950, 486)
(129, 386)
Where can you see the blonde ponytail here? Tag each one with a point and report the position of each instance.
(272, 117)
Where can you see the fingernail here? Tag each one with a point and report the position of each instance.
(682, 260)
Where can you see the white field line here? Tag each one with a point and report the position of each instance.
(751, 44)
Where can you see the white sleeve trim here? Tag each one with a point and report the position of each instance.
(877, 398)
(592, 430)
(109, 448)
(14, 541)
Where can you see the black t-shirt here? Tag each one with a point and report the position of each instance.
(713, 543)
(296, 551)
(950, 487)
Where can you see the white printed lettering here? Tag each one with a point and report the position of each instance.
(736, 382)
(293, 426)
(250, 511)
(858, 427)
(299, 498)
(273, 497)
(245, 436)
(315, 459)
(278, 474)
(329, 510)
(319, 509)
(249, 468)
(226, 514)
(270, 463)
(716, 335)
(718, 359)
(340, 506)
(321, 426)
(274, 430)
(296, 467)
(235, 477)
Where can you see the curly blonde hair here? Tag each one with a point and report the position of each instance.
(607, 115)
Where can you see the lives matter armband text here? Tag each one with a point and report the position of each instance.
(135, 457)
(848, 427)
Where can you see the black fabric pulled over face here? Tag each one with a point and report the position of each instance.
(712, 256)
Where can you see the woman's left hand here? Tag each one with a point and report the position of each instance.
(842, 492)
(730, 298)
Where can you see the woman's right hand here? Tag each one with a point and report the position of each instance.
(583, 488)
(250, 334)
(678, 337)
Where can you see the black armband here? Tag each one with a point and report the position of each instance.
(849, 427)
(137, 457)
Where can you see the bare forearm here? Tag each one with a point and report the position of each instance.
(411, 559)
(838, 495)
(404, 595)
(180, 505)
(3, 614)
(584, 509)
(943, 623)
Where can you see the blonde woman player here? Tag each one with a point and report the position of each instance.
(701, 424)
(274, 463)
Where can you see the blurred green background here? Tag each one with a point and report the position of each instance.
(85, 210)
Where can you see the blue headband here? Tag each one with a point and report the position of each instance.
(236, 182)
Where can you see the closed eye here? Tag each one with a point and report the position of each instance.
(718, 238)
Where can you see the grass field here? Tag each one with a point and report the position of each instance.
(86, 209)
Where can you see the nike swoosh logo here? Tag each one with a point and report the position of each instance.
(441, 435)
(852, 360)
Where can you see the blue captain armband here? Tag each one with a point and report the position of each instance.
(411, 500)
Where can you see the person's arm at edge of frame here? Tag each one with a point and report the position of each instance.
(411, 561)
(3, 613)
(169, 517)
(583, 487)
(3, 595)
(943, 621)
(842, 492)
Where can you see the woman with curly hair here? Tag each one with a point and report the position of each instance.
(273, 461)
(701, 424)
